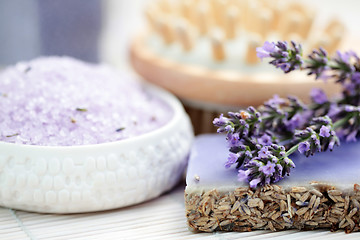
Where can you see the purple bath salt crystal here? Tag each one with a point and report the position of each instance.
(60, 101)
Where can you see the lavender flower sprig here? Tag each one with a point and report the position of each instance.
(262, 140)
(344, 67)
(286, 57)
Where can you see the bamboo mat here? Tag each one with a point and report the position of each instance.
(161, 218)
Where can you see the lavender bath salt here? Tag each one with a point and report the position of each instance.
(60, 101)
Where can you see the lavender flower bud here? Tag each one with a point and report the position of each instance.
(324, 120)
(243, 175)
(302, 133)
(268, 169)
(231, 160)
(251, 109)
(324, 131)
(229, 129)
(266, 50)
(323, 52)
(304, 148)
(233, 140)
(285, 55)
(316, 145)
(332, 143)
(318, 96)
(282, 45)
(248, 154)
(275, 147)
(221, 121)
(234, 115)
(253, 183)
(264, 152)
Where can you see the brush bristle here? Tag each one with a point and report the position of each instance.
(187, 21)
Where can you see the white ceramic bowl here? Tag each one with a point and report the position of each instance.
(97, 177)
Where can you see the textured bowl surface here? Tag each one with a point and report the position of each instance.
(97, 177)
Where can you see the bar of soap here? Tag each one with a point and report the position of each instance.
(322, 192)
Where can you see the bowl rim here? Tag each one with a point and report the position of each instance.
(168, 98)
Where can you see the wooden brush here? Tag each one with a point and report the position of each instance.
(184, 22)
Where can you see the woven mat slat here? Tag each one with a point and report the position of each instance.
(161, 218)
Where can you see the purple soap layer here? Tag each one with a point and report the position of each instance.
(340, 168)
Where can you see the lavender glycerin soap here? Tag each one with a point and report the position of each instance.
(322, 192)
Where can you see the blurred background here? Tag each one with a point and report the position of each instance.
(125, 18)
(100, 30)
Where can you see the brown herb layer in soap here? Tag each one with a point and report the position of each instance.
(272, 207)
